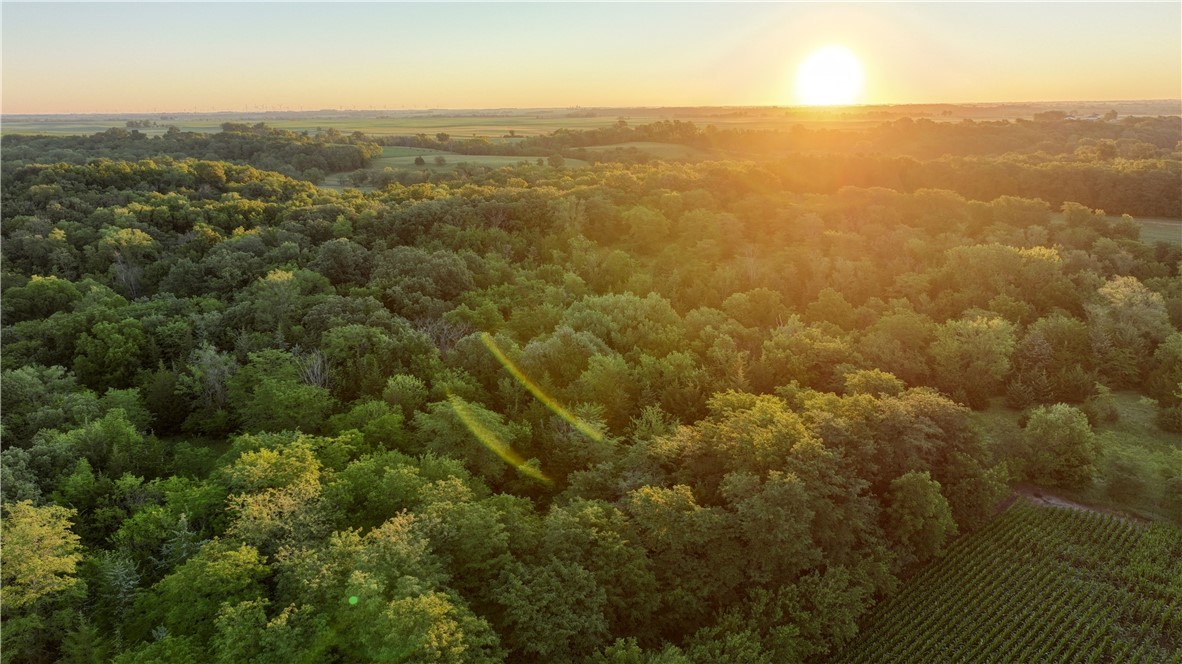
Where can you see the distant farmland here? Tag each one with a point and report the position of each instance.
(673, 151)
(496, 123)
(402, 157)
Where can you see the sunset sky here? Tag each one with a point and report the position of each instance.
(80, 58)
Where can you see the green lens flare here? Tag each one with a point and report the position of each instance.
(581, 425)
(353, 599)
(491, 440)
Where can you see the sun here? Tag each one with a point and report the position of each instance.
(830, 76)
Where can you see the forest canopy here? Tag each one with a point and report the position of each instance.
(730, 408)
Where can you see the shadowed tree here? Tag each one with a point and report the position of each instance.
(918, 518)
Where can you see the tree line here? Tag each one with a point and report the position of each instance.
(296, 154)
(1126, 167)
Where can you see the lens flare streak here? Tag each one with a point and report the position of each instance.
(492, 441)
(581, 425)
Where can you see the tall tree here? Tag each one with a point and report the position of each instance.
(41, 554)
(1063, 448)
(972, 357)
(919, 519)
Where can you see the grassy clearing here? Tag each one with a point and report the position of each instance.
(673, 151)
(1155, 454)
(402, 158)
(1038, 584)
(1161, 230)
(1153, 229)
(452, 160)
(391, 151)
(1134, 441)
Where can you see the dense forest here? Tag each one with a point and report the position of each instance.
(651, 412)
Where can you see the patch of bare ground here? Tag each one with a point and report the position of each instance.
(1040, 496)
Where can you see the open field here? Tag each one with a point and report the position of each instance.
(454, 159)
(392, 151)
(1134, 439)
(403, 157)
(494, 128)
(397, 157)
(1161, 230)
(1039, 584)
(672, 151)
(1153, 229)
(458, 126)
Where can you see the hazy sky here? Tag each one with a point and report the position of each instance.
(98, 57)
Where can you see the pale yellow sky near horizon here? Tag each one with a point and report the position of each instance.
(105, 58)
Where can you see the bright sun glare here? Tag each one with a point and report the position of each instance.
(829, 76)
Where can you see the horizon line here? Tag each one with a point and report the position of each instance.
(800, 107)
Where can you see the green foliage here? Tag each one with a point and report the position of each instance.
(381, 426)
(114, 444)
(182, 650)
(40, 298)
(745, 433)
(670, 523)
(1128, 322)
(972, 357)
(1101, 408)
(602, 539)
(773, 518)
(1063, 447)
(919, 518)
(406, 392)
(188, 601)
(268, 395)
(628, 651)
(441, 430)
(553, 610)
(41, 554)
(874, 382)
(33, 398)
(246, 634)
(1164, 382)
(711, 431)
(807, 355)
(360, 357)
(111, 354)
(1127, 477)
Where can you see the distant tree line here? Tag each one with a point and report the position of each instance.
(1131, 166)
(298, 155)
(1131, 138)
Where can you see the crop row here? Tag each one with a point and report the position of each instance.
(1039, 584)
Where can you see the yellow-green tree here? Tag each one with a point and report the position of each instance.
(40, 554)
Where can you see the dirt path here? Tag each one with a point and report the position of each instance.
(1041, 496)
